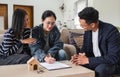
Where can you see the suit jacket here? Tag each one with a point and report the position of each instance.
(108, 43)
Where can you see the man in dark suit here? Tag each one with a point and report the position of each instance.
(101, 46)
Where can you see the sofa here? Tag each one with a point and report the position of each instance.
(1, 35)
(68, 47)
(1, 38)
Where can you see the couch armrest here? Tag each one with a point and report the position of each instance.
(1, 38)
(70, 50)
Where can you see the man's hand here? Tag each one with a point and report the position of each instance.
(82, 59)
(74, 59)
(79, 59)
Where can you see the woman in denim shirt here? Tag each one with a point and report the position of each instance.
(48, 47)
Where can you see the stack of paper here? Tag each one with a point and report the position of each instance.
(54, 66)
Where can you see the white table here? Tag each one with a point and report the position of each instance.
(21, 70)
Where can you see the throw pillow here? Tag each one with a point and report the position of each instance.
(75, 39)
(79, 41)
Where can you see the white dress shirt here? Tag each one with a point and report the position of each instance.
(96, 49)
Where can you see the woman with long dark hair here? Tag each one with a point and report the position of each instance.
(14, 48)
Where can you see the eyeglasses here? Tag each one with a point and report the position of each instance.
(50, 23)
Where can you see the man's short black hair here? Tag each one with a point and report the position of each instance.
(89, 14)
(48, 13)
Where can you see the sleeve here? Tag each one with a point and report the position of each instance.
(26, 33)
(37, 52)
(57, 45)
(84, 44)
(9, 45)
(113, 50)
(36, 48)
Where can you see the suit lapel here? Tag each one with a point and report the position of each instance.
(100, 33)
(90, 46)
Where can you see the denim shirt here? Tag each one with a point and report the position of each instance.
(37, 49)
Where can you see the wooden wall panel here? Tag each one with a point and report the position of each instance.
(29, 10)
(4, 13)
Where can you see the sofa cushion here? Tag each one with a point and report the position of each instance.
(79, 41)
(2, 35)
(76, 39)
(70, 50)
(1, 38)
(65, 34)
(72, 35)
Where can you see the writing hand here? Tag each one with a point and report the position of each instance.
(49, 59)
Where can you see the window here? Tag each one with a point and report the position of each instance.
(80, 4)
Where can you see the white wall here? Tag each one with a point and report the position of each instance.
(109, 10)
(39, 7)
(1, 22)
(69, 13)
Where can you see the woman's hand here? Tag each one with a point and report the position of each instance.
(28, 41)
(49, 59)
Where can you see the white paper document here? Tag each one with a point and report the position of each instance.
(54, 66)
